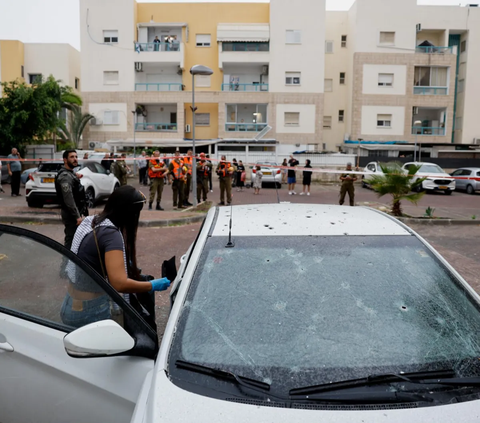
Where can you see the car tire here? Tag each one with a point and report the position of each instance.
(279, 185)
(90, 198)
(35, 204)
(470, 190)
(364, 184)
(448, 192)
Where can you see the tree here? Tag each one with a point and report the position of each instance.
(76, 124)
(397, 183)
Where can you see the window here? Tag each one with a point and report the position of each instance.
(461, 86)
(342, 78)
(324, 146)
(344, 41)
(327, 122)
(341, 115)
(110, 78)
(294, 36)
(430, 77)
(292, 118)
(328, 85)
(202, 119)
(77, 83)
(385, 79)
(111, 117)
(387, 38)
(384, 121)
(463, 46)
(203, 40)
(22, 71)
(203, 81)
(329, 47)
(34, 77)
(110, 36)
(292, 78)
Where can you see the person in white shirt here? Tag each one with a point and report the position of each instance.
(142, 167)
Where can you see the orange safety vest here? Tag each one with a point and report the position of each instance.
(223, 169)
(157, 164)
(178, 170)
(188, 161)
(206, 169)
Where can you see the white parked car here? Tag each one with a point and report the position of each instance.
(98, 182)
(301, 314)
(436, 178)
(373, 168)
(271, 173)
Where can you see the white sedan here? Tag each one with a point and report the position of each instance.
(373, 168)
(310, 321)
(436, 179)
(98, 183)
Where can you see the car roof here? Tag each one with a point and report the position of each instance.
(468, 168)
(304, 220)
(421, 163)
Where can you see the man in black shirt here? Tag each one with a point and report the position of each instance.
(292, 175)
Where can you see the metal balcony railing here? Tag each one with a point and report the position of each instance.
(430, 90)
(245, 87)
(139, 47)
(155, 127)
(173, 86)
(424, 130)
(434, 50)
(245, 127)
(246, 47)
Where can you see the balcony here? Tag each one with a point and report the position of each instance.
(425, 130)
(157, 77)
(155, 127)
(433, 50)
(431, 80)
(245, 127)
(161, 52)
(157, 118)
(429, 121)
(245, 87)
(245, 47)
(245, 77)
(430, 90)
(245, 117)
(154, 87)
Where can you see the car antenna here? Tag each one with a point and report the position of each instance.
(230, 243)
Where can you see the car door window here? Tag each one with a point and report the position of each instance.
(478, 173)
(457, 172)
(100, 169)
(371, 168)
(466, 173)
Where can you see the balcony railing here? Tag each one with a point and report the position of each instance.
(434, 50)
(158, 87)
(155, 127)
(430, 90)
(423, 130)
(246, 47)
(245, 127)
(245, 87)
(139, 47)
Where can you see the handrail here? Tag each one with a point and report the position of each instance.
(247, 127)
(434, 49)
(157, 47)
(161, 86)
(246, 47)
(428, 130)
(421, 90)
(244, 87)
(155, 127)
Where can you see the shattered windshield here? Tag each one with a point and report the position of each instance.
(296, 311)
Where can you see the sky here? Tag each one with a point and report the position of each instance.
(57, 21)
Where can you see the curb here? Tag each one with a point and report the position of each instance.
(439, 222)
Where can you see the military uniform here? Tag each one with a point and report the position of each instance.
(157, 181)
(188, 162)
(71, 196)
(178, 185)
(225, 181)
(347, 186)
(122, 172)
(204, 169)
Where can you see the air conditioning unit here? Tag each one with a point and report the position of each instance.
(96, 122)
(139, 66)
(419, 27)
(92, 145)
(415, 110)
(265, 70)
(187, 128)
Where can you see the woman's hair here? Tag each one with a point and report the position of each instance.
(284, 161)
(123, 210)
(307, 162)
(259, 167)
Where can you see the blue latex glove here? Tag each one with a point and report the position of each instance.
(160, 284)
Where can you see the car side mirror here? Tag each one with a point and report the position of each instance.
(108, 172)
(98, 339)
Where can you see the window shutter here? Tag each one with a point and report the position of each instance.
(328, 46)
(204, 40)
(292, 118)
(327, 122)
(110, 77)
(294, 36)
(202, 119)
(387, 38)
(385, 79)
(202, 81)
(328, 85)
(111, 117)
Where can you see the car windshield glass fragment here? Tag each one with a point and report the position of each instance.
(299, 311)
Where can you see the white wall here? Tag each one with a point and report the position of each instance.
(370, 79)
(307, 57)
(160, 113)
(307, 118)
(98, 109)
(369, 120)
(98, 57)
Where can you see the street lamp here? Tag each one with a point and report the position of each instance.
(134, 142)
(196, 70)
(415, 124)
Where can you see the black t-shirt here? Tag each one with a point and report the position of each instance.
(240, 168)
(292, 163)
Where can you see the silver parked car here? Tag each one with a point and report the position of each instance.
(468, 179)
(271, 174)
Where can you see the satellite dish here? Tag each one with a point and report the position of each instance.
(262, 133)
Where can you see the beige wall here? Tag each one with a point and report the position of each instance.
(372, 72)
(11, 60)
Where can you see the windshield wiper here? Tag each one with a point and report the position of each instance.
(376, 380)
(374, 397)
(224, 374)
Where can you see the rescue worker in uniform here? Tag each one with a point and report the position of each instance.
(188, 162)
(178, 173)
(225, 172)
(347, 186)
(122, 170)
(156, 173)
(204, 169)
(71, 196)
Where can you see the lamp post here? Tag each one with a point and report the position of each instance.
(358, 152)
(196, 70)
(415, 124)
(134, 142)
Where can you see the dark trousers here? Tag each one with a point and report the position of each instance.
(156, 188)
(226, 186)
(202, 189)
(15, 182)
(210, 184)
(187, 187)
(178, 188)
(70, 228)
(351, 194)
(142, 178)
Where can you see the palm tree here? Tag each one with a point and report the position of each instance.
(397, 183)
(77, 122)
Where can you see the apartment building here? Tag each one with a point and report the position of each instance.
(267, 61)
(28, 61)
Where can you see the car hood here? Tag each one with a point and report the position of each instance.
(168, 403)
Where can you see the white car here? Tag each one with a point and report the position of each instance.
(373, 168)
(280, 313)
(436, 178)
(271, 173)
(98, 183)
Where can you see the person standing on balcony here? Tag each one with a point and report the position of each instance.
(156, 172)
(188, 162)
(156, 43)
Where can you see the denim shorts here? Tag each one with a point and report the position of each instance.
(85, 312)
(292, 180)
